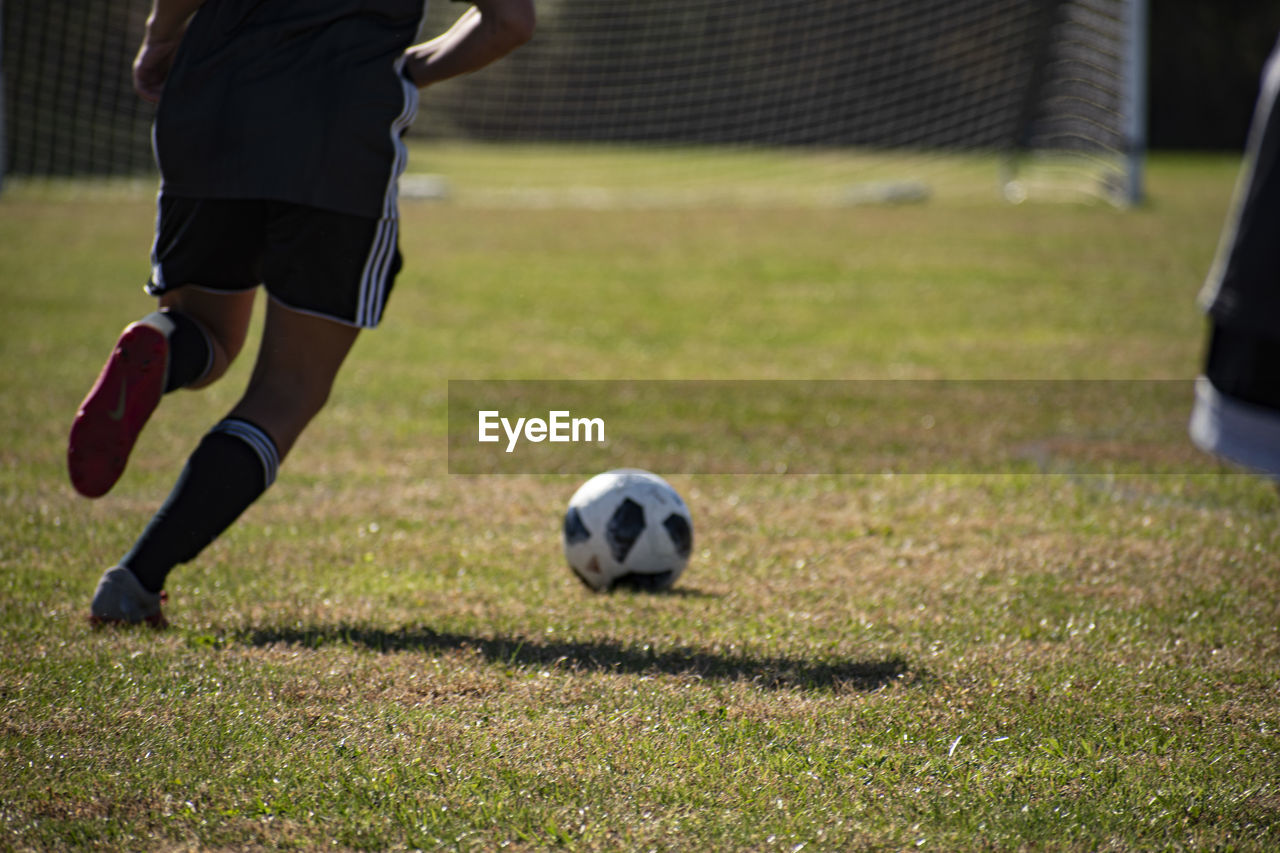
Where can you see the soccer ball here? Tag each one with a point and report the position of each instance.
(627, 528)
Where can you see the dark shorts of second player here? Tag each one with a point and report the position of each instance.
(333, 265)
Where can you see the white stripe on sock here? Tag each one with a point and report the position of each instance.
(261, 444)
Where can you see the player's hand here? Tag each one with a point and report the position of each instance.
(151, 66)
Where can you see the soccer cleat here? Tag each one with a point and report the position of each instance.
(116, 409)
(121, 600)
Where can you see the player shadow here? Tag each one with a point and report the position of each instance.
(772, 672)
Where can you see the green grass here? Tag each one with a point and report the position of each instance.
(382, 656)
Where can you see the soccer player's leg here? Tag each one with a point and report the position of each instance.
(237, 461)
(168, 349)
(189, 342)
(329, 276)
(222, 318)
(293, 376)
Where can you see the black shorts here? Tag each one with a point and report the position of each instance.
(320, 262)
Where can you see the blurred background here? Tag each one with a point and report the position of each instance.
(971, 75)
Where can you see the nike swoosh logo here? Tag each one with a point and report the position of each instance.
(117, 413)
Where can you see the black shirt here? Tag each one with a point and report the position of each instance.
(290, 100)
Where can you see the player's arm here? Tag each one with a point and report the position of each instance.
(165, 27)
(486, 32)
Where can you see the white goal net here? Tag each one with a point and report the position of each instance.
(664, 101)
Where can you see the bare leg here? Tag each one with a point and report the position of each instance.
(297, 363)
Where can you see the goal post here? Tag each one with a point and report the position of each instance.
(1086, 99)
(1134, 107)
(821, 101)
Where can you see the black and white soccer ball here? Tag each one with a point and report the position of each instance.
(627, 528)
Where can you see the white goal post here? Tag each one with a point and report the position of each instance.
(875, 99)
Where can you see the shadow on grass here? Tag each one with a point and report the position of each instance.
(779, 673)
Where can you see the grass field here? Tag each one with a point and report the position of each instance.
(385, 656)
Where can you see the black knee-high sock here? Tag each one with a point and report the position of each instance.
(190, 350)
(233, 465)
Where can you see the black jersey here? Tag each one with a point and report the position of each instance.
(290, 100)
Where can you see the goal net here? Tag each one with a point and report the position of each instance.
(69, 104)
(671, 101)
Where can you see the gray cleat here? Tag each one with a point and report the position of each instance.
(121, 599)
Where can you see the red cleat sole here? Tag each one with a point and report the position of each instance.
(116, 409)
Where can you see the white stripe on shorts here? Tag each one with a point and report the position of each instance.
(157, 272)
(377, 268)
